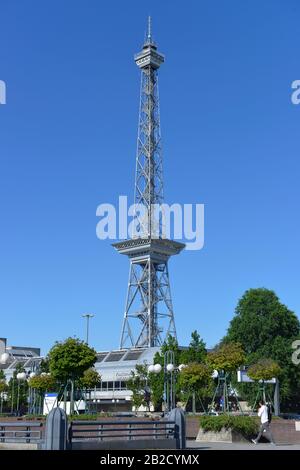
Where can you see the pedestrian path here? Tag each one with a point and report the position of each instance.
(239, 446)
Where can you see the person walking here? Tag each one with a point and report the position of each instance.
(265, 420)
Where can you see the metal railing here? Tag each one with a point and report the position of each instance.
(21, 432)
(125, 430)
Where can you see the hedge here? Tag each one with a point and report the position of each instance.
(245, 425)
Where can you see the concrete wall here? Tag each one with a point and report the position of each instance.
(225, 435)
(125, 444)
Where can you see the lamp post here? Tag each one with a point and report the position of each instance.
(21, 376)
(4, 358)
(170, 375)
(31, 393)
(115, 401)
(87, 316)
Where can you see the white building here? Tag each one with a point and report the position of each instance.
(114, 367)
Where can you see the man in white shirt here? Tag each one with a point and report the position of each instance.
(265, 425)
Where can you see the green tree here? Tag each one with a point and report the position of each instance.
(264, 369)
(3, 386)
(44, 365)
(227, 357)
(137, 384)
(267, 328)
(156, 383)
(40, 384)
(43, 383)
(195, 381)
(195, 377)
(69, 359)
(196, 351)
(91, 378)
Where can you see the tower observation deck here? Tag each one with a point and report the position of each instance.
(149, 316)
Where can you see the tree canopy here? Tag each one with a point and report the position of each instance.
(91, 378)
(264, 369)
(195, 377)
(69, 359)
(43, 383)
(266, 328)
(227, 357)
(259, 319)
(137, 384)
(196, 351)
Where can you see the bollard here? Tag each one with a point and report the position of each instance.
(56, 430)
(177, 415)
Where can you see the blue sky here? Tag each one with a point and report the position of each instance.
(67, 144)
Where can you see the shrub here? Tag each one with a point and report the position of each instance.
(245, 425)
(89, 417)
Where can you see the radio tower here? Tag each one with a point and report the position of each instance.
(148, 317)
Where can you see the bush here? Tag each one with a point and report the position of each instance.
(33, 417)
(89, 416)
(245, 425)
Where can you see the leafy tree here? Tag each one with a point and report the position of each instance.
(196, 351)
(156, 383)
(44, 365)
(3, 384)
(137, 384)
(259, 319)
(264, 369)
(195, 381)
(68, 360)
(267, 328)
(90, 378)
(227, 357)
(171, 344)
(195, 377)
(43, 383)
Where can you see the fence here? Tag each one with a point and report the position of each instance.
(122, 434)
(168, 433)
(27, 432)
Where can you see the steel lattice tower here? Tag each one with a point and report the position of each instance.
(148, 316)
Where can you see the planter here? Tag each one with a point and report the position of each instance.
(225, 435)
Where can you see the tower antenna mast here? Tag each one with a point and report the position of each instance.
(149, 316)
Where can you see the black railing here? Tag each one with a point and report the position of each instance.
(126, 430)
(21, 432)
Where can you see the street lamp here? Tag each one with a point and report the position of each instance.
(154, 368)
(21, 376)
(87, 316)
(170, 373)
(4, 358)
